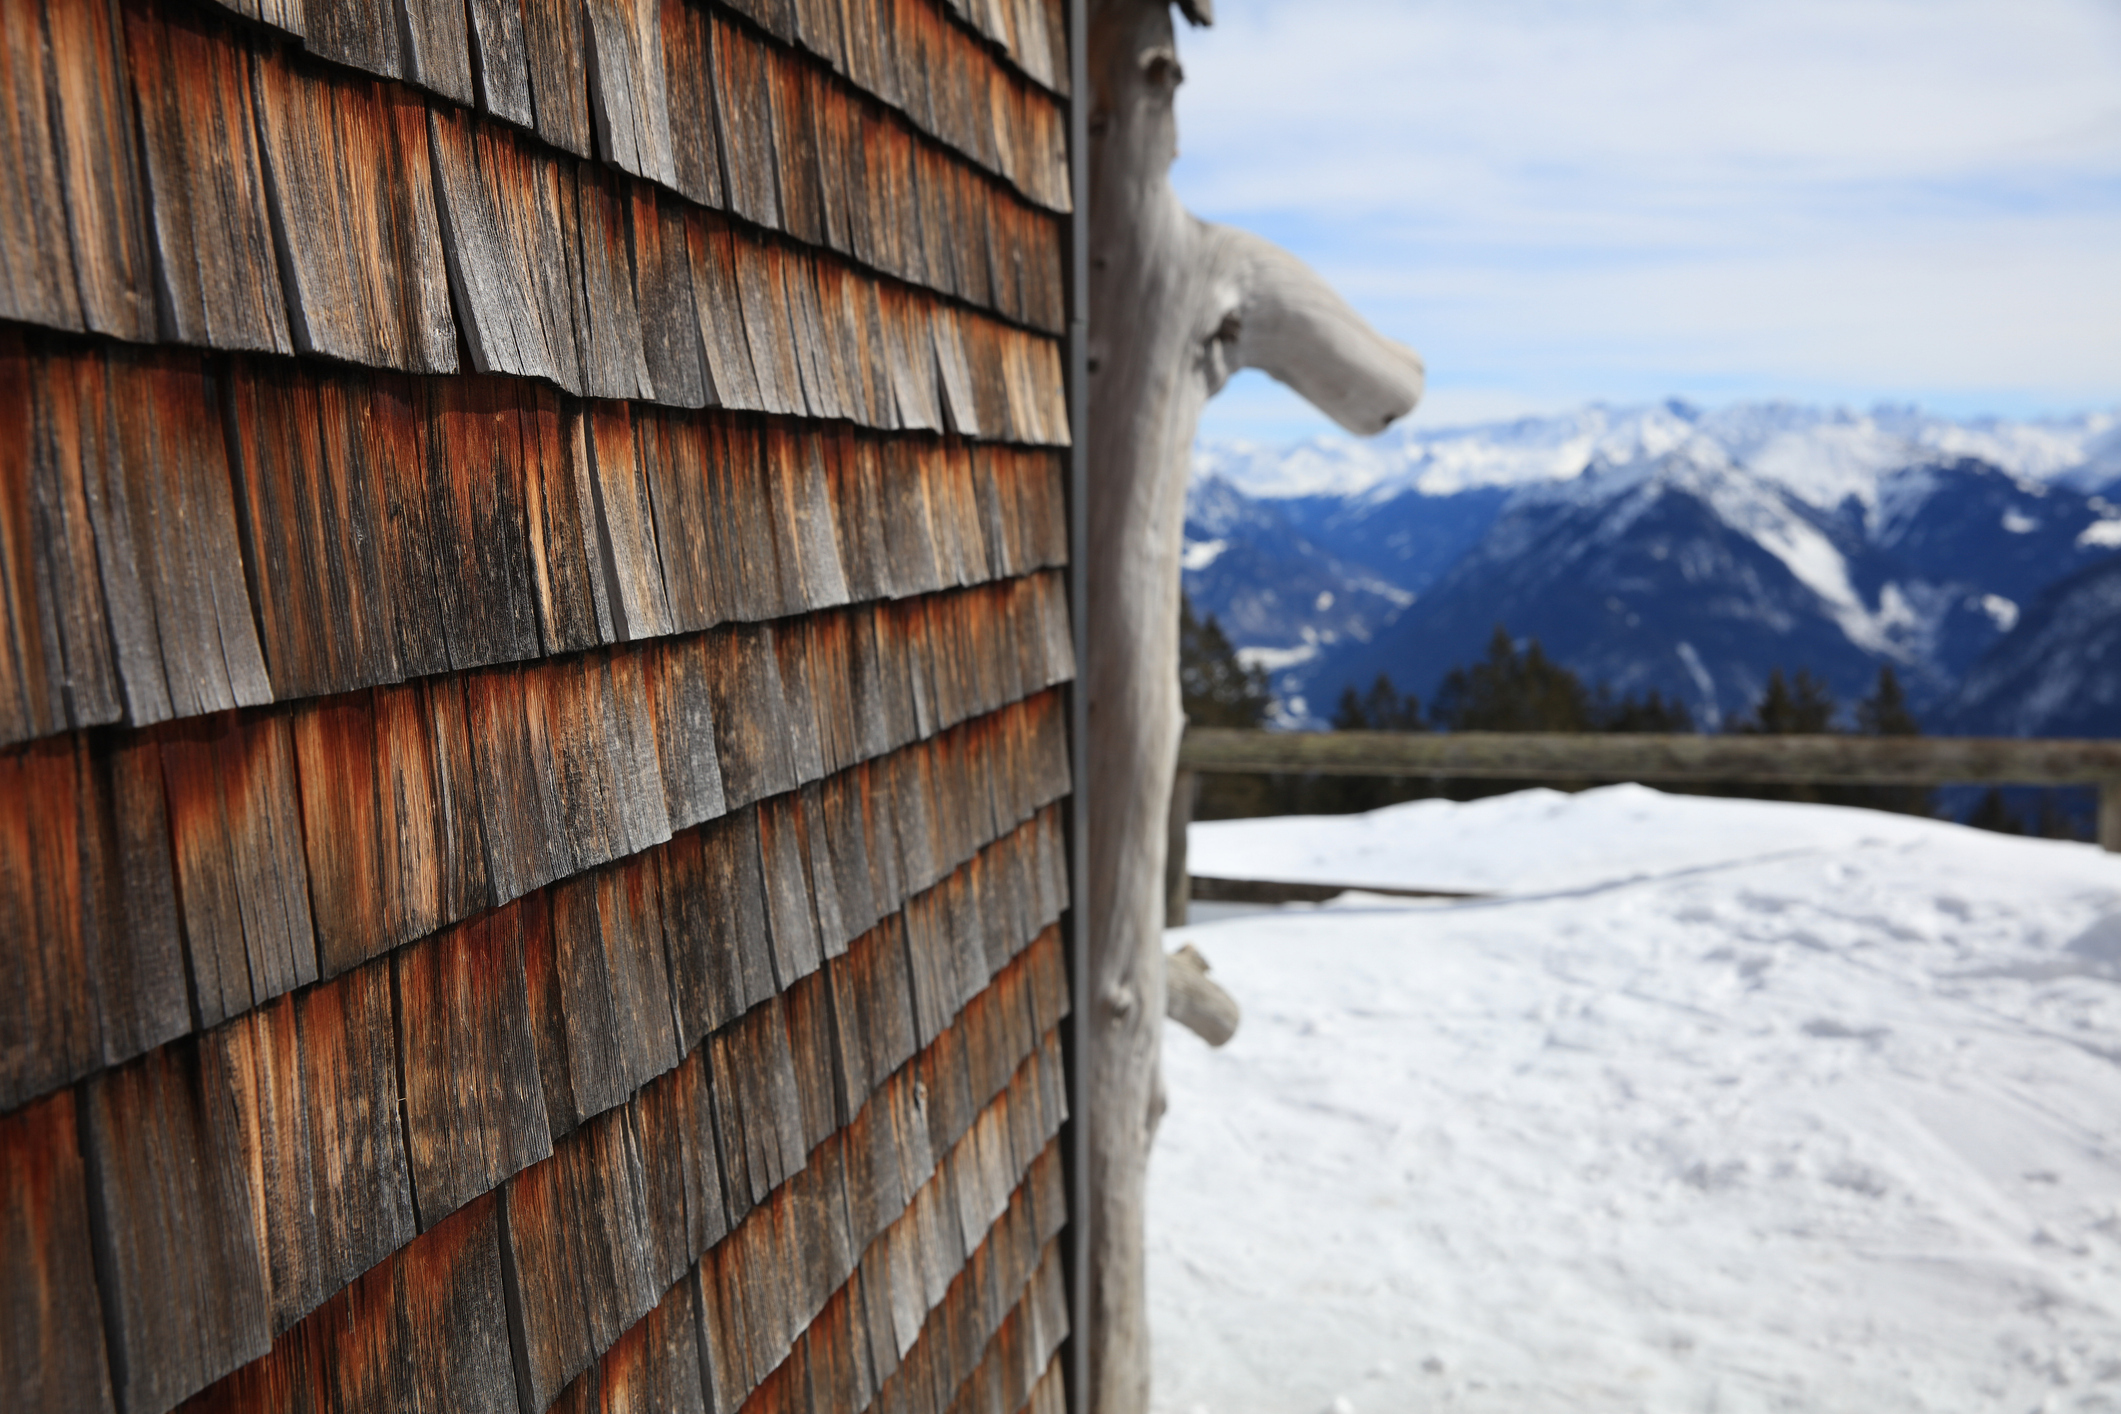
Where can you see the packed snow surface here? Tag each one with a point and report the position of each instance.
(1717, 1105)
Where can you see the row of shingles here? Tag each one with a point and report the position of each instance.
(423, 804)
(851, 1346)
(1050, 1394)
(765, 1070)
(758, 327)
(1032, 33)
(543, 785)
(734, 318)
(201, 1143)
(124, 591)
(594, 77)
(238, 203)
(804, 156)
(1019, 1368)
(388, 528)
(624, 1204)
(910, 57)
(423, 809)
(283, 846)
(809, 1269)
(793, 1245)
(993, 1333)
(969, 1234)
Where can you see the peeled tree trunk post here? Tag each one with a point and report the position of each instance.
(1176, 306)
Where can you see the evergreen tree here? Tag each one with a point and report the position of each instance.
(1884, 712)
(1216, 689)
(1654, 713)
(1797, 706)
(1992, 814)
(1513, 691)
(1381, 709)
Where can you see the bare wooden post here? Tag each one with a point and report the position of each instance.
(1178, 885)
(2110, 816)
(1176, 306)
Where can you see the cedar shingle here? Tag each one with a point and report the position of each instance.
(187, 1291)
(474, 1103)
(52, 1360)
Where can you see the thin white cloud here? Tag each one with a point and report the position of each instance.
(1852, 199)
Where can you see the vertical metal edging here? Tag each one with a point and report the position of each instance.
(1076, 1039)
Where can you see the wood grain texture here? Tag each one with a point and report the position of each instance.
(800, 695)
(88, 887)
(500, 60)
(362, 34)
(437, 47)
(751, 712)
(52, 1357)
(242, 877)
(553, 44)
(711, 246)
(180, 1257)
(479, 519)
(508, 231)
(416, 545)
(691, 536)
(655, 1365)
(360, 1188)
(216, 271)
(36, 265)
(566, 577)
(100, 169)
(695, 143)
(335, 755)
(743, 120)
(451, 1328)
(61, 619)
(791, 921)
(618, 1027)
(670, 342)
(579, 1268)
(314, 528)
(687, 1212)
(627, 87)
(474, 1104)
(614, 363)
(349, 187)
(184, 555)
(626, 518)
(699, 984)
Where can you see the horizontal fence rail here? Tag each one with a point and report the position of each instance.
(1633, 756)
(1639, 756)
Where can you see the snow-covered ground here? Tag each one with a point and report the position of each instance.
(1719, 1105)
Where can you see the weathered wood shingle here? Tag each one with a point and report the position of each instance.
(529, 547)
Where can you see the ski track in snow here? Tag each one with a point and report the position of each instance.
(1726, 1105)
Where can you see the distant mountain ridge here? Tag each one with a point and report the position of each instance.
(1660, 547)
(1819, 453)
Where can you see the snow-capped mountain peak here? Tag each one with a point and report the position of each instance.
(1825, 456)
(1657, 547)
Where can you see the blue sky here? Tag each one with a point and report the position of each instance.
(1842, 201)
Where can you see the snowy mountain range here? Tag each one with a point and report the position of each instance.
(1680, 549)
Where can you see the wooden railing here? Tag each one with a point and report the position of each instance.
(1630, 756)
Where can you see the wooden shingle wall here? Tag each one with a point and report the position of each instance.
(532, 746)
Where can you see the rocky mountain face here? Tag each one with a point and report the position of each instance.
(1666, 548)
(2058, 672)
